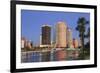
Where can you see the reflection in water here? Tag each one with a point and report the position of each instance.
(50, 55)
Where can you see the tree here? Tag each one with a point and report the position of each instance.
(88, 34)
(87, 45)
(81, 27)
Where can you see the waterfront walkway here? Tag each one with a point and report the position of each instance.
(56, 54)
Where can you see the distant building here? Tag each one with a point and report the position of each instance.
(69, 38)
(29, 44)
(61, 34)
(45, 36)
(75, 43)
(23, 40)
(25, 44)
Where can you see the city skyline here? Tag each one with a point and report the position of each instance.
(32, 22)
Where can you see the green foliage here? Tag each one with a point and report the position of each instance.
(81, 27)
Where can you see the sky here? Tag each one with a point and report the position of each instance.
(32, 21)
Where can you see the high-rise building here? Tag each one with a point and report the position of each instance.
(23, 41)
(40, 39)
(46, 35)
(69, 38)
(25, 44)
(61, 39)
(29, 44)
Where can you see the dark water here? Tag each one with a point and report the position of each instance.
(53, 55)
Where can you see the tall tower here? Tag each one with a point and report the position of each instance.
(23, 41)
(69, 38)
(61, 39)
(46, 35)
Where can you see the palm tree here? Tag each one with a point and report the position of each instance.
(88, 34)
(81, 27)
(87, 45)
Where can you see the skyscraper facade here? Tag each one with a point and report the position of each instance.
(69, 38)
(61, 39)
(46, 35)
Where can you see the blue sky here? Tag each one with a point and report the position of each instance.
(32, 20)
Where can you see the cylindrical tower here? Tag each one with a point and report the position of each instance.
(61, 39)
(69, 38)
